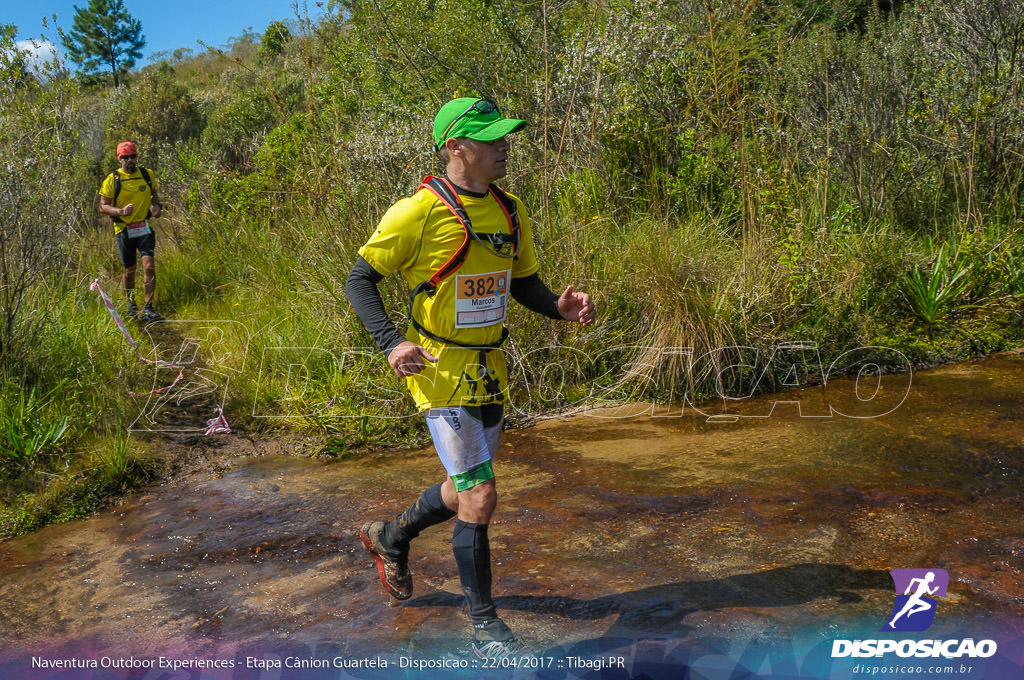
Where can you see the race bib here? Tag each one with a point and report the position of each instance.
(138, 229)
(481, 299)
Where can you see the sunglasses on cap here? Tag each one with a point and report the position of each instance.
(483, 106)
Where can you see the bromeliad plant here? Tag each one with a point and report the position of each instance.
(30, 428)
(934, 296)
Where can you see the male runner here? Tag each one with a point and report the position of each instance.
(462, 245)
(128, 195)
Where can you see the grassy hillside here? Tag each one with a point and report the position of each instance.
(723, 177)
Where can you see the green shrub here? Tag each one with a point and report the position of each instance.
(933, 296)
(32, 426)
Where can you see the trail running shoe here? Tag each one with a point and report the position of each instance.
(148, 313)
(492, 639)
(394, 572)
(132, 310)
(505, 649)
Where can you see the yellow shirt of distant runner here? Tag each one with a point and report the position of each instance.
(134, 190)
(416, 237)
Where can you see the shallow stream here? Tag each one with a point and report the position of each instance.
(707, 538)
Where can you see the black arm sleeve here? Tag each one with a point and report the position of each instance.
(533, 294)
(364, 297)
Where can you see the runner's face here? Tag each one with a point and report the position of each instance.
(487, 161)
(129, 163)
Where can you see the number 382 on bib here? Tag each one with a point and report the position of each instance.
(481, 299)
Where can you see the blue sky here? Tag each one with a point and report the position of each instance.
(167, 24)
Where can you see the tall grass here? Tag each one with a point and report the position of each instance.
(721, 177)
(31, 426)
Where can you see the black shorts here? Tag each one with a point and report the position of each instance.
(144, 244)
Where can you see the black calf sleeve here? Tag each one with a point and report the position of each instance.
(473, 556)
(428, 510)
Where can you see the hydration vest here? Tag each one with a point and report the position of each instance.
(445, 192)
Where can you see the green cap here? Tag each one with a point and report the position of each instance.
(477, 119)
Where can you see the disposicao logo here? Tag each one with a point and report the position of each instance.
(914, 611)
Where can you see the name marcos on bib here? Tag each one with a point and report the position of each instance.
(481, 299)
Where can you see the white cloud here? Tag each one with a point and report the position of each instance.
(39, 52)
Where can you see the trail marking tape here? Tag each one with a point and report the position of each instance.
(216, 425)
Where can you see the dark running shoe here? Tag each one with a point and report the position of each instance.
(394, 572)
(132, 310)
(492, 639)
(494, 649)
(148, 313)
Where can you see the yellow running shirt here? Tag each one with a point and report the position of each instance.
(134, 190)
(417, 236)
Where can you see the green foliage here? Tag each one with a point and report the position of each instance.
(840, 16)
(156, 110)
(234, 131)
(105, 36)
(40, 190)
(31, 426)
(79, 492)
(934, 296)
(118, 468)
(1008, 267)
(274, 40)
(704, 177)
(14, 69)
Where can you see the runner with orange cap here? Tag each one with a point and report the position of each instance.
(128, 195)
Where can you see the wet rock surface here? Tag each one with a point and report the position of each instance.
(611, 526)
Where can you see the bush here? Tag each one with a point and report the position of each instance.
(155, 109)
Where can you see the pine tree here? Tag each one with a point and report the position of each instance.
(105, 37)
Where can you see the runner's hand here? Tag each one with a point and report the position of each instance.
(407, 359)
(127, 210)
(575, 306)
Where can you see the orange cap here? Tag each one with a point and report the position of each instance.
(126, 149)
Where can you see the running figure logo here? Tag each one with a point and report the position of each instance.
(915, 608)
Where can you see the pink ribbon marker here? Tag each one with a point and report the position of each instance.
(218, 425)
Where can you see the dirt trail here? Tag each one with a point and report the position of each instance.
(173, 419)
